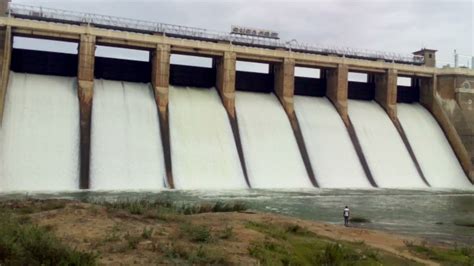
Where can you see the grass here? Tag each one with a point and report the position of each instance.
(218, 206)
(113, 235)
(447, 256)
(295, 245)
(297, 230)
(196, 233)
(147, 233)
(29, 244)
(135, 207)
(31, 206)
(22, 243)
(163, 214)
(185, 254)
(132, 241)
(166, 210)
(227, 233)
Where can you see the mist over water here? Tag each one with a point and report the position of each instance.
(270, 149)
(433, 151)
(330, 149)
(40, 134)
(203, 149)
(386, 154)
(126, 149)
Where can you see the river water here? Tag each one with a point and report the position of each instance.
(426, 213)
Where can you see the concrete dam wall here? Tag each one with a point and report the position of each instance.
(205, 136)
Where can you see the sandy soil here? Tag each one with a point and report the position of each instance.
(93, 228)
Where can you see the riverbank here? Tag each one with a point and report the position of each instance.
(146, 232)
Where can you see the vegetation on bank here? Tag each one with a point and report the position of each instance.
(163, 232)
(295, 245)
(445, 256)
(150, 207)
(24, 243)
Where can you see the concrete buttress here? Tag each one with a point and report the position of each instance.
(160, 64)
(337, 89)
(284, 87)
(225, 80)
(225, 84)
(386, 96)
(429, 98)
(386, 91)
(284, 82)
(85, 88)
(5, 60)
(160, 76)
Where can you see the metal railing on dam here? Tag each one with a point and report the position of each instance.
(186, 32)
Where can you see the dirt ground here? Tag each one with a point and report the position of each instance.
(125, 239)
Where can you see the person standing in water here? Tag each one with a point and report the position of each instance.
(346, 214)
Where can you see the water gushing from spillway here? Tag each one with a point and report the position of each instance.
(40, 134)
(329, 146)
(269, 145)
(432, 149)
(386, 154)
(126, 149)
(203, 149)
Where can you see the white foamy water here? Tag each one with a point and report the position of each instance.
(204, 154)
(332, 154)
(40, 134)
(126, 149)
(386, 154)
(270, 149)
(433, 151)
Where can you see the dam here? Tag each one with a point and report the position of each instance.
(82, 121)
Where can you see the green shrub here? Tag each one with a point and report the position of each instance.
(201, 256)
(218, 206)
(453, 256)
(147, 233)
(297, 230)
(27, 244)
(174, 251)
(295, 245)
(268, 229)
(270, 252)
(204, 256)
(228, 207)
(132, 241)
(31, 206)
(133, 206)
(339, 254)
(227, 233)
(165, 209)
(196, 233)
(113, 235)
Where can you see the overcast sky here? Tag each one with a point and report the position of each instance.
(397, 26)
